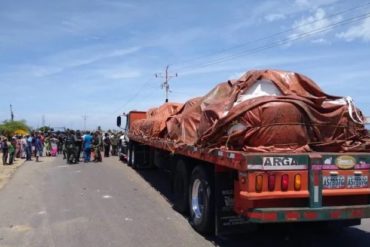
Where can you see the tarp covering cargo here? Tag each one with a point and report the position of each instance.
(155, 121)
(263, 111)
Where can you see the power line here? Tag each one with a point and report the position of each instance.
(140, 90)
(271, 36)
(257, 49)
(84, 117)
(165, 85)
(282, 42)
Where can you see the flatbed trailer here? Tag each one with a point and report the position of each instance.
(226, 191)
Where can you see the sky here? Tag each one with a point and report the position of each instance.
(61, 60)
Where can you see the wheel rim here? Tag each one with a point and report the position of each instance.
(133, 156)
(197, 199)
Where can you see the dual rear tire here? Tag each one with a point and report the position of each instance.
(194, 194)
(201, 200)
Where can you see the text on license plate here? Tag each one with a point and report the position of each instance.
(357, 181)
(333, 182)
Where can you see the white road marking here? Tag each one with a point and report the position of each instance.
(107, 196)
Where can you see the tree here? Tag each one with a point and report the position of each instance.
(10, 128)
(46, 129)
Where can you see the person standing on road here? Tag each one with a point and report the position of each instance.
(107, 144)
(87, 143)
(70, 145)
(96, 146)
(11, 146)
(114, 142)
(23, 147)
(18, 148)
(29, 147)
(61, 144)
(78, 145)
(38, 147)
(5, 150)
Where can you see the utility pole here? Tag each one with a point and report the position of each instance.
(84, 118)
(43, 121)
(165, 85)
(11, 113)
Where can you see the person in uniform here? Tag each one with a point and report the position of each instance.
(78, 145)
(114, 142)
(70, 147)
(96, 145)
(107, 143)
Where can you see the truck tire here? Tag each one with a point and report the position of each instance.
(201, 200)
(133, 156)
(180, 187)
(129, 154)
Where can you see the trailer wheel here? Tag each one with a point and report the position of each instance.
(129, 154)
(133, 156)
(201, 200)
(180, 187)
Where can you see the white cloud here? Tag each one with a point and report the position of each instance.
(312, 24)
(361, 32)
(274, 17)
(75, 58)
(120, 73)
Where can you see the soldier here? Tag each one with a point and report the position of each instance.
(114, 142)
(5, 149)
(78, 145)
(70, 147)
(107, 143)
(96, 145)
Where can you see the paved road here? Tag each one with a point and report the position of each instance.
(109, 204)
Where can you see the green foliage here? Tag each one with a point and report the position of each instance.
(46, 129)
(9, 128)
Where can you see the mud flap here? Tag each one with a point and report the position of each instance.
(226, 220)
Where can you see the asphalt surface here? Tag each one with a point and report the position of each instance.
(109, 204)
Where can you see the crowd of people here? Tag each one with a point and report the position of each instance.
(71, 144)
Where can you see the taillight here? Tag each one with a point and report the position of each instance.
(259, 183)
(284, 182)
(271, 182)
(297, 182)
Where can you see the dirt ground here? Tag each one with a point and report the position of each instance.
(7, 171)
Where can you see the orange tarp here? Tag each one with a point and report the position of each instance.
(263, 111)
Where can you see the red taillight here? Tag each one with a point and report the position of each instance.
(284, 182)
(271, 182)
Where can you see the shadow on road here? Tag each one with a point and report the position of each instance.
(275, 235)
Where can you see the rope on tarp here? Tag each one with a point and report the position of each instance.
(353, 109)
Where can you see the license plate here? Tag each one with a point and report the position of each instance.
(357, 182)
(333, 182)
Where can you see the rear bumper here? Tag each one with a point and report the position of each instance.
(276, 215)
